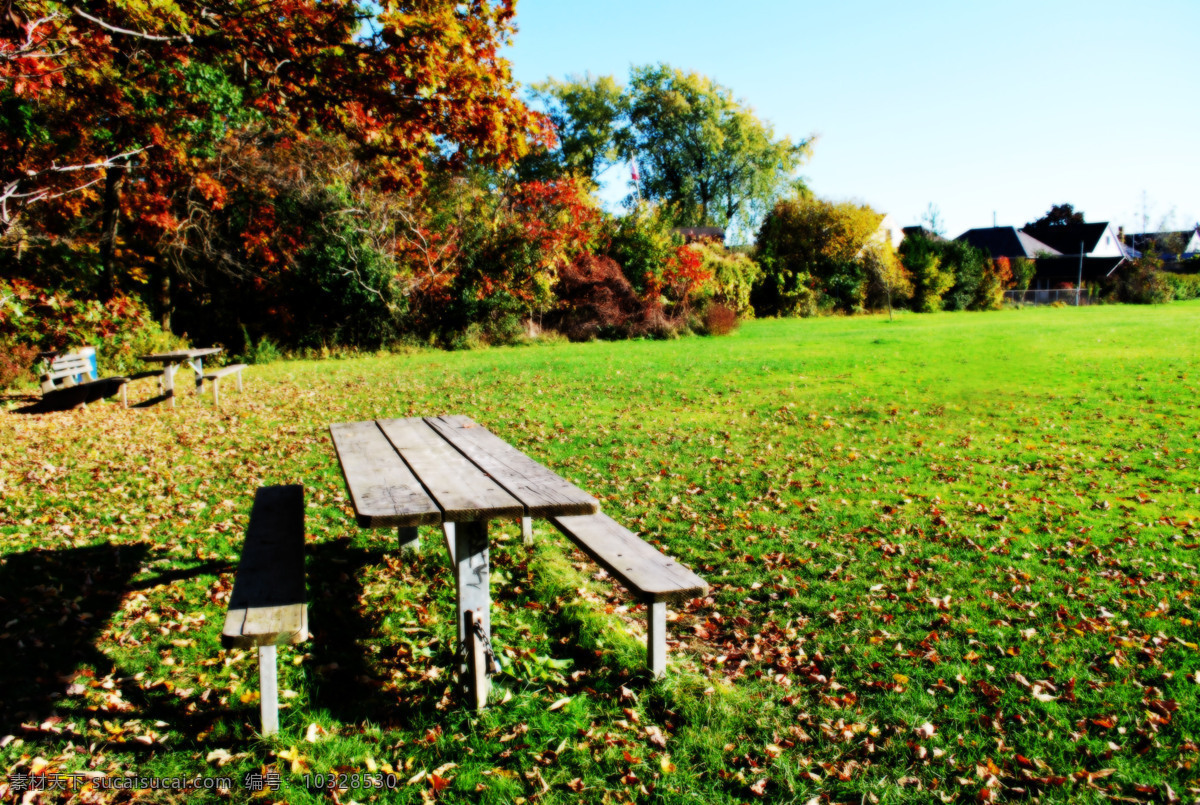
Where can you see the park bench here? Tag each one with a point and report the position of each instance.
(653, 578)
(214, 377)
(268, 606)
(71, 376)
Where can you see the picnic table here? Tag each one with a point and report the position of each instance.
(450, 471)
(174, 361)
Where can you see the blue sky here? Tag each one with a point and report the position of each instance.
(979, 108)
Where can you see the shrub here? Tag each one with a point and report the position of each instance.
(1183, 286)
(597, 301)
(642, 243)
(16, 364)
(969, 267)
(1141, 281)
(733, 276)
(719, 319)
(920, 256)
(997, 275)
(1023, 270)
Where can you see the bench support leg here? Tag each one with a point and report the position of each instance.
(473, 577)
(527, 529)
(410, 539)
(238, 375)
(656, 638)
(197, 365)
(268, 690)
(124, 395)
(216, 384)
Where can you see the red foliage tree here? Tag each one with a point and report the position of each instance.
(152, 90)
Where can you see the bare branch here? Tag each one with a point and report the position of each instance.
(11, 197)
(127, 32)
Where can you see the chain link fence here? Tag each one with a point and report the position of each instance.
(1065, 296)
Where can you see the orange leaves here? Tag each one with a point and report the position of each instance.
(211, 190)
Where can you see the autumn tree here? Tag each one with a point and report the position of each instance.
(115, 115)
(811, 253)
(888, 281)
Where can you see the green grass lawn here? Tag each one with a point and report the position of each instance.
(951, 558)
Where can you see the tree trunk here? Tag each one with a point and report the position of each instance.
(113, 179)
(163, 294)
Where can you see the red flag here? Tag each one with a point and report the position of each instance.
(633, 168)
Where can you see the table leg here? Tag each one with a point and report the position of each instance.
(410, 539)
(450, 532)
(527, 529)
(198, 367)
(474, 606)
(168, 381)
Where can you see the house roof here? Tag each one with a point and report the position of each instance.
(1142, 241)
(1066, 237)
(1006, 241)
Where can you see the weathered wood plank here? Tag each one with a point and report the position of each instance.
(268, 604)
(461, 489)
(214, 374)
(179, 355)
(384, 490)
(648, 574)
(542, 492)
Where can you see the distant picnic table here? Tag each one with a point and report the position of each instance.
(453, 472)
(174, 361)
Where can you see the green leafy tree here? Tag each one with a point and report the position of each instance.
(704, 152)
(921, 257)
(586, 113)
(1058, 215)
(967, 266)
(1023, 270)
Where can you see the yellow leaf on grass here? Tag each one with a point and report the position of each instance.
(298, 762)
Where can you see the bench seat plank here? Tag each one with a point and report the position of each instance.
(269, 605)
(384, 489)
(216, 374)
(541, 491)
(650, 575)
(462, 490)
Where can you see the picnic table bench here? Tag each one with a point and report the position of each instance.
(73, 375)
(268, 606)
(450, 471)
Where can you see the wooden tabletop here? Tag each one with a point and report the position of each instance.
(411, 472)
(180, 355)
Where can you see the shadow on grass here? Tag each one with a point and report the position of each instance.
(348, 683)
(64, 399)
(353, 663)
(55, 606)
